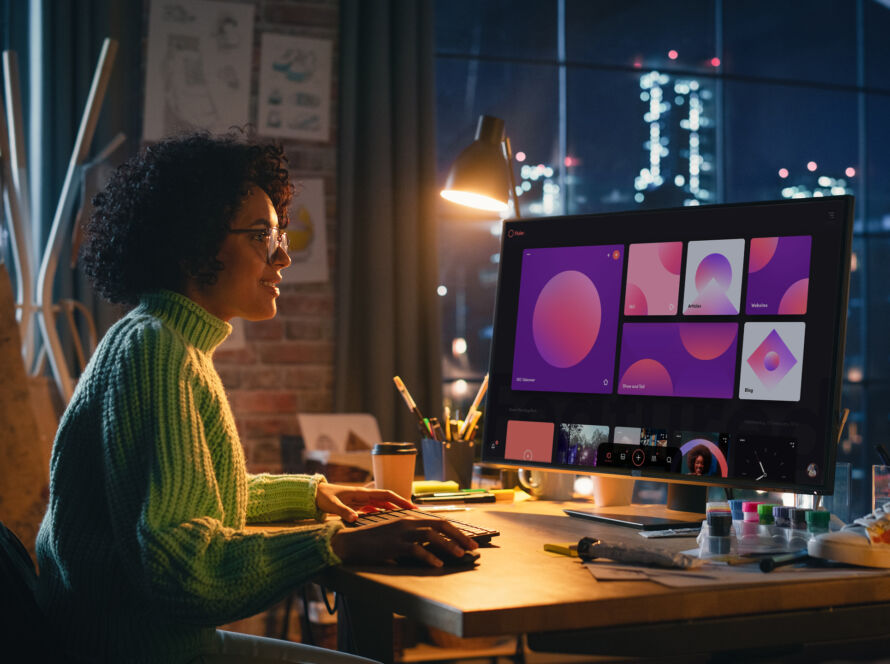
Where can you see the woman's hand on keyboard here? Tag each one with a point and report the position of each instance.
(417, 539)
(344, 500)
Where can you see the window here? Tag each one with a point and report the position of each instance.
(620, 104)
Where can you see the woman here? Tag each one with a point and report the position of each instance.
(699, 461)
(143, 550)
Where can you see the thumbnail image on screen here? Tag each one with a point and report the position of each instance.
(627, 435)
(529, 441)
(654, 437)
(576, 443)
(567, 319)
(704, 453)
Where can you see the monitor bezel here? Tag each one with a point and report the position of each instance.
(833, 417)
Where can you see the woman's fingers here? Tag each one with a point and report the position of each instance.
(409, 537)
(439, 542)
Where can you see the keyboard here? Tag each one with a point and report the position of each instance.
(481, 535)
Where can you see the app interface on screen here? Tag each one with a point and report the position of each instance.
(567, 319)
(618, 347)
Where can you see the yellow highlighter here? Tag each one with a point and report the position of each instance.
(563, 549)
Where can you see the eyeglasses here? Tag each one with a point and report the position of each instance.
(273, 238)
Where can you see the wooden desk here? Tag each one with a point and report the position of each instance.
(520, 588)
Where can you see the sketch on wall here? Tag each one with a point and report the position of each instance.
(198, 66)
(295, 87)
(306, 234)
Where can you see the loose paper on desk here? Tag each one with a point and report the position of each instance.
(721, 575)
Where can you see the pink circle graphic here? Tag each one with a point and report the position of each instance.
(566, 320)
(670, 255)
(707, 341)
(794, 301)
(762, 250)
(646, 376)
(713, 267)
(635, 301)
(771, 361)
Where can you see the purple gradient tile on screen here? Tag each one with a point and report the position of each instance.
(778, 276)
(567, 319)
(678, 359)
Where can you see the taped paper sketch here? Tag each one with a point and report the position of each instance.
(295, 87)
(306, 234)
(198, 70)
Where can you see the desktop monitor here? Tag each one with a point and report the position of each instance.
(700, 345)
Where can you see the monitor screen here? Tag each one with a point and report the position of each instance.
(700, 344)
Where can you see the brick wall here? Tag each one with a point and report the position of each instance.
(287, 364)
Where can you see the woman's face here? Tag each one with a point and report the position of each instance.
(247, 286)
(698, 467)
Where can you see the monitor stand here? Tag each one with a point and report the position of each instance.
(685, 508)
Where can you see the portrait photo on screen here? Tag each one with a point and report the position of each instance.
(713, 284)
(704, 453)
(567, 319)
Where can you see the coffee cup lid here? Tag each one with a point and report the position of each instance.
(394, 448)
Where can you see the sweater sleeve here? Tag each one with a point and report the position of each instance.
(282, 497)
(166, 491)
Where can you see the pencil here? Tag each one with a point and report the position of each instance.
(471, 430)
(472, 411)
(400, 386)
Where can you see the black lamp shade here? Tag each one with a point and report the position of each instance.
(479, 177)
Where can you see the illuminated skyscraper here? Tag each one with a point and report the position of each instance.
(680, 168)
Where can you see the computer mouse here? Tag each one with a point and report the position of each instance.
(469, 559)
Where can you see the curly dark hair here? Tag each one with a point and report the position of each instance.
(705, 454)
(164, 213)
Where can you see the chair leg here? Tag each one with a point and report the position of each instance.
(285, 619)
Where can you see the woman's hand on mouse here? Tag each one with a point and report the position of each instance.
(417, 539)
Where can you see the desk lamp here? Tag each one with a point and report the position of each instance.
(482, 174)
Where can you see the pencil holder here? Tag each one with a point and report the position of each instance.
(443, 461)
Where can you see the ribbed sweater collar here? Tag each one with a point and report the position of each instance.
(197, 326)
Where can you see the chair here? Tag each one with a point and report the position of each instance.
(23, 627)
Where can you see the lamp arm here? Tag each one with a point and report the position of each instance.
(508, 154)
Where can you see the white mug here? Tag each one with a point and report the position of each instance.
(547, 485)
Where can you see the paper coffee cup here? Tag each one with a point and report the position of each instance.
(608, 491)
(393, 465)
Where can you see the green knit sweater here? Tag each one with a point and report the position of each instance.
(143, 549)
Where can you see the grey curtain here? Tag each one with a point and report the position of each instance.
(388, 321)
(73, 35)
